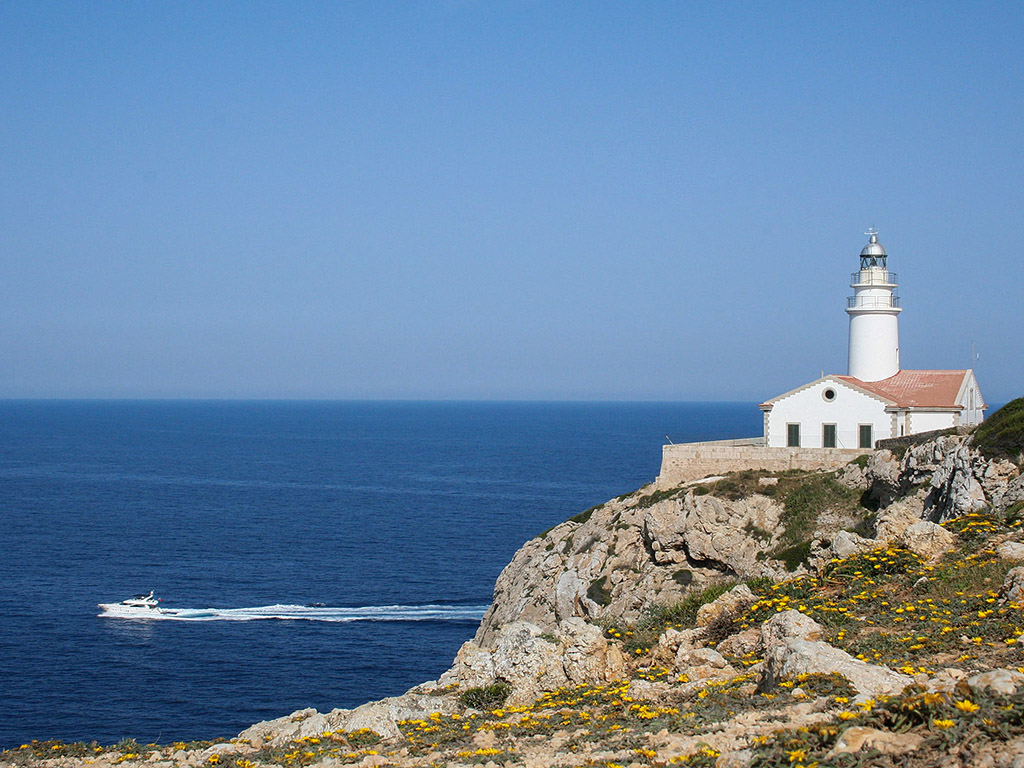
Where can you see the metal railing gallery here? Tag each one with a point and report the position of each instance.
(873, 302)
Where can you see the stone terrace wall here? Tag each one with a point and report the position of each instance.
(692, 461)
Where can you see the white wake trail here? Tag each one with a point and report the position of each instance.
(467, 613)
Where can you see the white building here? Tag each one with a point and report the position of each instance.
(875, 399)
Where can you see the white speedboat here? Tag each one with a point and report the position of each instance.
(135, 607)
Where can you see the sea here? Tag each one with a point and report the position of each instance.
(330, 553)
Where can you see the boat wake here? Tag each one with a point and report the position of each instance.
(465, 613)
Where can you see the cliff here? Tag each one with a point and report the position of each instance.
(866, 615)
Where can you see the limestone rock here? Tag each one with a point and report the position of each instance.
(533, 662)
(789, 625)
(702, 664)
(527, 662)
(927, 539)
(956, 489)
(672, 640)
(706, 531)
(742, 643)
(791, 650)
(861, 737)
(882, 476)
(1004, 681)
(473, 665)
(945, 680)
(1012, 589)
(999, 480)
(701, 657)
(1010, 550)
(727, 606)
(853, 476)
(587, 656)
(898, 516)
(381, 717)
(846, 544)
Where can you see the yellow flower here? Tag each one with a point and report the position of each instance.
(967, 706)
(846, 715)
(943, 723)
(796, 754)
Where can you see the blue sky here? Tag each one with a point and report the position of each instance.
(589, 200)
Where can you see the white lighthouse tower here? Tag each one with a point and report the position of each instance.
(874, 312)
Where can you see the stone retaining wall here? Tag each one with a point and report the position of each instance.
(692, 461)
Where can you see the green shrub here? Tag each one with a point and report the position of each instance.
(1001, 435)
(486, 697)
(795, 556)
(804, 501)
(654, 497)
(598, 591)
(683, 577)
(583, 516)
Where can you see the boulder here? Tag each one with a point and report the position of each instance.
(1012, 589)
(847, 544)
(898, 516)
(1011, 550)
(587, 656)
(726, 607)
(791, 650)
(742, 643)
(927, 539)
(789, 625)
(860, 737)
(1004, 681)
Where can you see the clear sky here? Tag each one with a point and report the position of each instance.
(586, 200)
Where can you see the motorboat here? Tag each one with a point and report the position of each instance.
(135, 607)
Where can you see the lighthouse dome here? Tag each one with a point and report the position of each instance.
(873, 248)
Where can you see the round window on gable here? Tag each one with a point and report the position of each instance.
(829, 394)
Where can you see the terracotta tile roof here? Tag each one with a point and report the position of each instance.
(916, 389)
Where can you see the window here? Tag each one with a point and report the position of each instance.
(828, 395)
(793, 435)
(865, 436)
(828, 435)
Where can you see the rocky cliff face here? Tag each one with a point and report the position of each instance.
(656, 546)
(647, 547)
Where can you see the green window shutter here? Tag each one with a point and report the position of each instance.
(865, 436)
(828, 435)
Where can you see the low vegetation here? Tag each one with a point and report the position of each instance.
(1001, 435)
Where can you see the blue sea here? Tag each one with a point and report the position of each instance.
(392, 519)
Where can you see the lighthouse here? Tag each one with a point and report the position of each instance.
(875, 400)
(874, 312)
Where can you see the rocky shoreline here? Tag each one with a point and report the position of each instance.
(756, 619)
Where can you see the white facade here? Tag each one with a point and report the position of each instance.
(827, 401)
